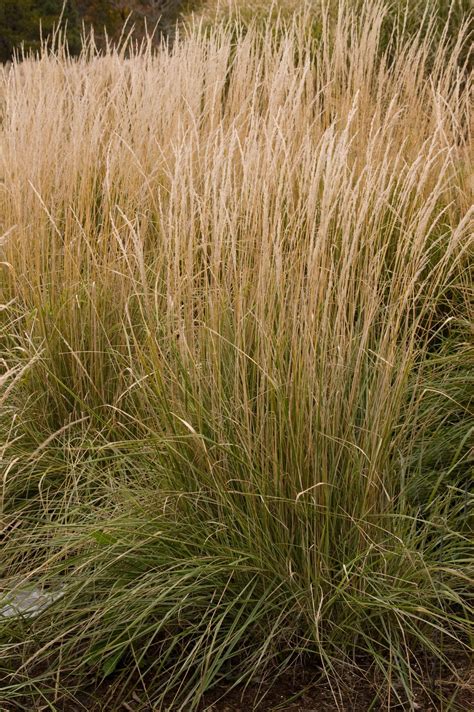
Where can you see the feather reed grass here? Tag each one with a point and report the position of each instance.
(236, 419)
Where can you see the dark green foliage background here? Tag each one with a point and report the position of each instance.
(23, 22)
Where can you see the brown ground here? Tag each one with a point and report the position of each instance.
(296, 693)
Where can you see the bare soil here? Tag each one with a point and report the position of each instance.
(303, 691)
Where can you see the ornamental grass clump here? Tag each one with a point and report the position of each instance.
(236, 369)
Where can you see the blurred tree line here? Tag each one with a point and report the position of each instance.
(26, 21)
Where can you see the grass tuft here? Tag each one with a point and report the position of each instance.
(235, 419)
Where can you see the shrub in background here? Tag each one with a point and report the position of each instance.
(22, 22)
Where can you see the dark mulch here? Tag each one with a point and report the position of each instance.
(303, 691)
